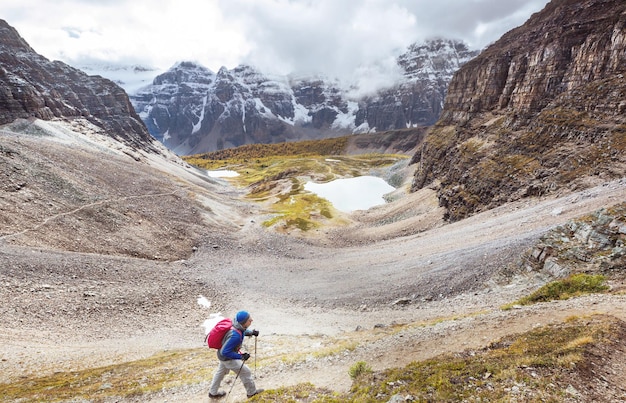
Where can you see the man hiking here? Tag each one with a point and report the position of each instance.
(232, 360)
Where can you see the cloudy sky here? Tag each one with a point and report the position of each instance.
(333, 37)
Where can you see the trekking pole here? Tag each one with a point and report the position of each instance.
(254, 357)
(233, 385)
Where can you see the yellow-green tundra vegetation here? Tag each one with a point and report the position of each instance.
(275, 175)
(541, 362)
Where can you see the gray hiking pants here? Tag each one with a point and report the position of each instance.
(233, 365)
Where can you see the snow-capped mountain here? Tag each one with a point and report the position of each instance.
(193, 110)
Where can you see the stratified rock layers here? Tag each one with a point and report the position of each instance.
(540, 110)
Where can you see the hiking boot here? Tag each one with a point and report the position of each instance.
(217, 395)
(255, 393)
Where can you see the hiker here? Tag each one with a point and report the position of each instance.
(232, 360)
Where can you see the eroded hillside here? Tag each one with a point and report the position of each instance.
(69, 187)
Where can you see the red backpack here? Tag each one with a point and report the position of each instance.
(216, 336)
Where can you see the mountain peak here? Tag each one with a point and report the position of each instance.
(11, 39)
(437, 57)
(185, 72)
(194, 110)
(35, 87)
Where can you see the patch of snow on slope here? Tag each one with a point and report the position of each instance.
(198, 125)
(346, 120)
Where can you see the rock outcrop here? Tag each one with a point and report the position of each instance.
(594, 244)
(193, 110)
(31, 86)
(540, 110)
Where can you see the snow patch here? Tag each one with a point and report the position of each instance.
(198, 125)
(203, 301)
(346, 120)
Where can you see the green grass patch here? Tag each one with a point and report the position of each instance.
(246, 153)
(572, 286)
(303, 211)
(359, 369)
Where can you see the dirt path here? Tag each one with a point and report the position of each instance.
(47, 220)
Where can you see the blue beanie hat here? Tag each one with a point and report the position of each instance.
(242, 317)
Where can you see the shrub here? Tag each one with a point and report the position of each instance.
(574, 285)
(359, 369)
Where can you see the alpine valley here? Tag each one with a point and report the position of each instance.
(494, 272)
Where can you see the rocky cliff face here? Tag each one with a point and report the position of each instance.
(540, 110)
(31, 86)
(193, 110)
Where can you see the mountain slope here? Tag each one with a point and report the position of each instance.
(79, 168)
(33, 86)
(538, 112)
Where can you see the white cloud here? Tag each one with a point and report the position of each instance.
(320, 36)
(336, 37)
(156, 33)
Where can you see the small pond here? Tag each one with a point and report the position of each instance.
(352, 194)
